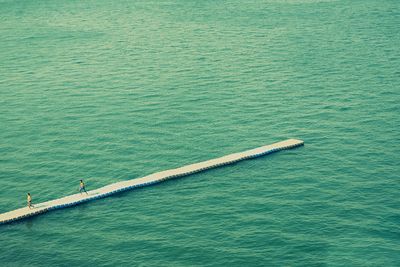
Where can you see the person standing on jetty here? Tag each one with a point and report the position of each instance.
(29, 200)
(82, 187)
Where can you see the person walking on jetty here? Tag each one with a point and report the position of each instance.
(82, 187)
(29, 200)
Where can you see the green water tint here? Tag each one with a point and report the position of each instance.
(109, 91)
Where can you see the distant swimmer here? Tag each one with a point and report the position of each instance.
(29, 200)
(82, 187)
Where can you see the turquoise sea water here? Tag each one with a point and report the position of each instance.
(112, 90)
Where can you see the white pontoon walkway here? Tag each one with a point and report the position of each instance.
(108, 190)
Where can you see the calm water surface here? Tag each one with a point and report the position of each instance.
(112, 90)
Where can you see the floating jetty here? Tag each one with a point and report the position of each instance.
(158, 177)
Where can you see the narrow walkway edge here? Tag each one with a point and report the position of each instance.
(158, 177)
